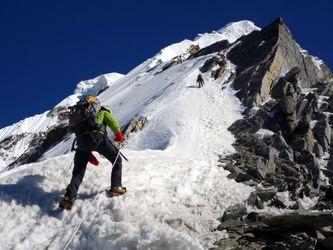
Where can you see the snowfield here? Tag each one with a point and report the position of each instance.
(175, 195)
(176, 192)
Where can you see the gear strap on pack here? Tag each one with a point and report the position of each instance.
(83, 117)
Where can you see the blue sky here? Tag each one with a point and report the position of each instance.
(46, 47)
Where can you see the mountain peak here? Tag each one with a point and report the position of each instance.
(97, 84)
(230, 32)
(239, 28)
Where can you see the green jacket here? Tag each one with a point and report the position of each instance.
(106, 118)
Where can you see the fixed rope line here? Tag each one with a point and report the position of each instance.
(85, 217)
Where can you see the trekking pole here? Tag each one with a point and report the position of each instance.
(122, 155)
(120, 152)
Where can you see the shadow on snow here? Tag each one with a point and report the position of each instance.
(27, 192)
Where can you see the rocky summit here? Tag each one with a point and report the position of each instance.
(283, 144)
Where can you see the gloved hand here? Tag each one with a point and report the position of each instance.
(93, 160)
(119, 137)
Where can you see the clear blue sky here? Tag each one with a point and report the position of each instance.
(46, 47)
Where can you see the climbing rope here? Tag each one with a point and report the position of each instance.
(85, 217)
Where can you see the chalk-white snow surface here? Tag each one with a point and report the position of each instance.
(174, 195)
(176, 192)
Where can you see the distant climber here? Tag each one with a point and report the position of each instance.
(88, 120)
(200, 81)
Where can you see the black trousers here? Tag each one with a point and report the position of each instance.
(81, 158)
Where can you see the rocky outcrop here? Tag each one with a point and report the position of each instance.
(135, 125)
(216, 47)
(40, 144)
(19, 147)
(293, 230)
(271, 66)
(263, 56)
(281, 143)
(216, 64)
(299, 133)
(193, 49)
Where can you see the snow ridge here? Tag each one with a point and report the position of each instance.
(176, 191)
(230, 32)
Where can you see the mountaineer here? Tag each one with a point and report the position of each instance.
(200, 81)
(89, 121)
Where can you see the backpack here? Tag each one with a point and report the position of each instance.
(83, 117)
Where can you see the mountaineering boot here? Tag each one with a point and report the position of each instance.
(66, 202)
(116, 191)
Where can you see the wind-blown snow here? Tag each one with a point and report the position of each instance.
(93, 86)
(90, 87)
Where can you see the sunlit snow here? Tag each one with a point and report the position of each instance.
(176, 192)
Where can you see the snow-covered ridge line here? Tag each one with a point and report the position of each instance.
(231, 32)
(35, 124)
(30, 128)
(41, 122)
(170, 176)
(93, 86)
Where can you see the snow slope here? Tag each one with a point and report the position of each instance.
(27, 128)
(175, 195)
(176, 191)
(31, 127)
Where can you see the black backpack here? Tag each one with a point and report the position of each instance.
(83, 117)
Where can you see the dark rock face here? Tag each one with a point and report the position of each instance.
(41, 144)
(283, 87)
(293, 96)
(41, 140)
(234, 212)
(214, 61)
(216, 47)
(294, 230)
(9, 143)
(307, 220)
(251, 125)
(322, 133)
(262, 56)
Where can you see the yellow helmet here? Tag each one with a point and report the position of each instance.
(91, 99)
